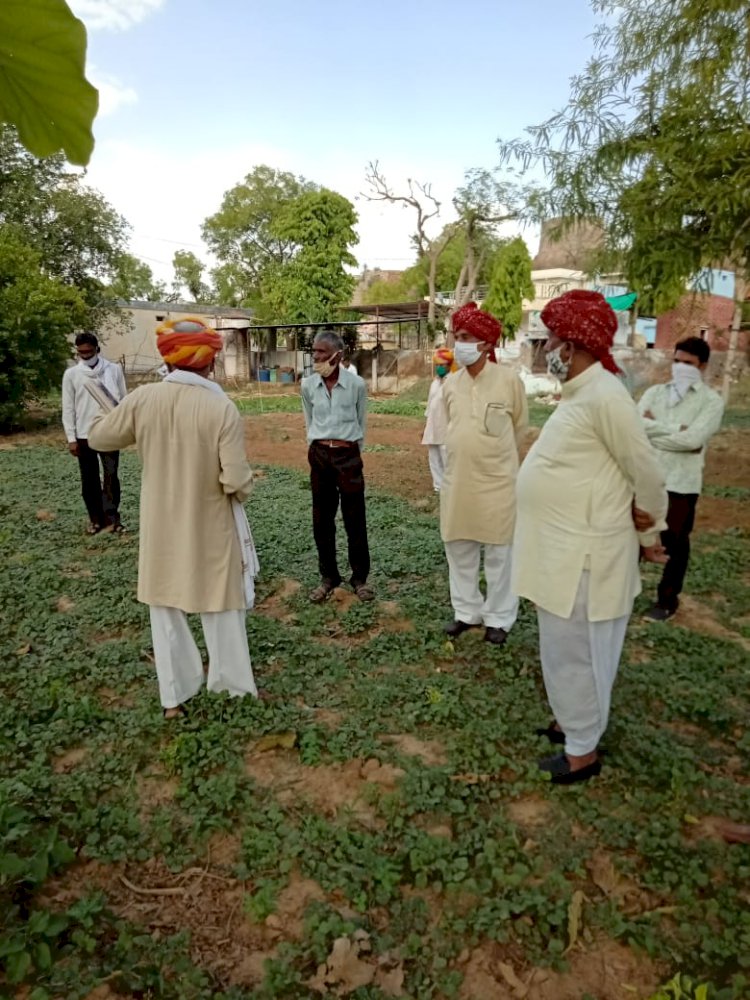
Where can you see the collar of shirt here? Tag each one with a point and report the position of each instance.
(343, 380)
(571, 387)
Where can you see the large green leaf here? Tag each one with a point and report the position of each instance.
(43, 88)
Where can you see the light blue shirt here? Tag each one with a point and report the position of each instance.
(340, 415)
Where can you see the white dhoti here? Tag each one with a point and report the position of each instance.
(579, 663)
(499, 609)
(436, 458)
(179, 667)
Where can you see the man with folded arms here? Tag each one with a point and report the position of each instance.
(589, 477)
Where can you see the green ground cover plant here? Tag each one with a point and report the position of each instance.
(391, 777)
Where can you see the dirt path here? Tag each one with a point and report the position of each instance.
(396, 462)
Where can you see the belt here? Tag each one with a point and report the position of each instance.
(335, 443)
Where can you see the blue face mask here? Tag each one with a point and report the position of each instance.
(442, 371)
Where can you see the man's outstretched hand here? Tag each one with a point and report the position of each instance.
(654, 553)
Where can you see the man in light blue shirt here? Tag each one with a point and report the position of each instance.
(334, 401)
(680, 418)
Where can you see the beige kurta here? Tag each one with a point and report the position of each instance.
(191, 445)
(487, 418)
(575, 493)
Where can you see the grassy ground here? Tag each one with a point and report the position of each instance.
(379, 828)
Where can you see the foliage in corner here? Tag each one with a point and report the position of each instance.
(44, 92)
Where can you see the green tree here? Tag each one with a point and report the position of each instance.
(44, 92)
(78, 235)
(37, 315)
(245, 233)
(654, 143)
(135, 280)
(188, 273)
(510, 284)
(310, 286)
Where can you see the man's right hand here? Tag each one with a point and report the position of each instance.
(642, 519)
(73, 448)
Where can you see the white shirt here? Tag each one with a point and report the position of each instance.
(681, 453)
(78, 406)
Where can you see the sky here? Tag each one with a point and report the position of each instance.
(193, 95)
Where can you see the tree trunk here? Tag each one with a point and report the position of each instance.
(431, 290)
(734, 333)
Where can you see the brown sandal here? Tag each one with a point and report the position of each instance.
(321, 593)
(364, 593)
(93, 529)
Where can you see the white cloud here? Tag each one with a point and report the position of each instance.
(113, 15)
(113, 94)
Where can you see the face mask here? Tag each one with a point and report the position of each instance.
(326, 368)
(467, 354)
(685, 375)
(555, 364)
(442, 371)
(91, 362)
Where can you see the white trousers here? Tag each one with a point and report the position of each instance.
(436, 458)
(499, 609)
(579, 664)
(178, 662)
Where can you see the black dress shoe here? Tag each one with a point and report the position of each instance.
(496, 636)
(559, 768)
(456, 628)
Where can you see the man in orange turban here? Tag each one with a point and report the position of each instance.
(196, 552)
(434, 431)
(486, 412)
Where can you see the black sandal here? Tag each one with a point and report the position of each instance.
(553, 734)
(561, 774)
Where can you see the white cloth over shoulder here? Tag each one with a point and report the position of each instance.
(250, 563)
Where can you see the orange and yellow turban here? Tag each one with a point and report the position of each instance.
(188, 343)
(444, 356)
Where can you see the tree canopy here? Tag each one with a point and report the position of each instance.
(283, 246)
(654, 142)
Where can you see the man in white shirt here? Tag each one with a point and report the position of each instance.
(680, 419)
(588, 483)
(100, 495)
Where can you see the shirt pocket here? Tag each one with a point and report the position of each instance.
(496, 416)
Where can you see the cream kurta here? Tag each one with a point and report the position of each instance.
(487, 417)
(437, 422)
(575, 493)
(191, 445)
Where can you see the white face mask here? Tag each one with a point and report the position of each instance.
(555, 364)
(683, 377)
(466, 354)
(91, 362)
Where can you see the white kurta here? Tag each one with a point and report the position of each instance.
(192, 448)
(575, 494)
(436, 426)
(487, 417)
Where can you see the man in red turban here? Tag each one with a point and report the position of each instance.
(576, 543)
(583, 320)
(486, 412)
(196, 553)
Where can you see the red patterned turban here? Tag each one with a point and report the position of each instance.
(188, 343)
(480, 324)
(586, 320)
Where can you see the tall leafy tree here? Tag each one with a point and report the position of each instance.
(37, 315)
(510, 284)
(245, 235)
(310, 286)
(134, 279)
(655, 143)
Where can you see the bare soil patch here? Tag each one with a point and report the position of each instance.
(331, 789)
(604, 969)
(530, 811)
(69, 760)
(430, 752)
